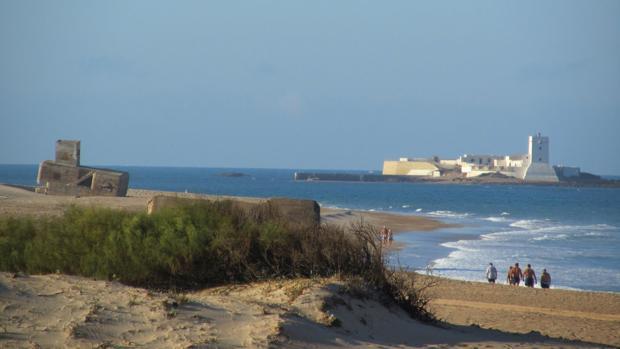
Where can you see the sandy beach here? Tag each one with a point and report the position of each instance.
(70, 311)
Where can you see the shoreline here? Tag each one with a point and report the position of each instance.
(572, 315)
(21, 201)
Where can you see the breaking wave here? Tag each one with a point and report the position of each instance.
(496, 219)
(448, 214)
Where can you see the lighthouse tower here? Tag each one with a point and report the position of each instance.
(537, 160)
(538, 149)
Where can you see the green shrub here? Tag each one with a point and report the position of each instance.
(205, 243)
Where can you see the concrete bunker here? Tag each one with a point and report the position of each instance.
(65, 176)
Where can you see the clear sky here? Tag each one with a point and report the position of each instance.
(309, 84)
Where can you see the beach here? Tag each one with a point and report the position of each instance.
(61, 310)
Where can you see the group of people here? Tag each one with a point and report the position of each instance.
(515, 275)
(386, 236)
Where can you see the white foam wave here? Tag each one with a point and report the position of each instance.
(505, 213)
(448, 214)
(496, 219)
(551, 237)
(418, 210)
(460, 245)
(406, 206)
(528, 224)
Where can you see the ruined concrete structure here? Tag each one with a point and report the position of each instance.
(65, 176)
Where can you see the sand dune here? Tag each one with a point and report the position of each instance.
(68, 311)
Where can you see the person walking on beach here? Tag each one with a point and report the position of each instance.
(530, 276)
(491, 273)
(390, 236)
(510, 277)
(545, 279)
(517, 275)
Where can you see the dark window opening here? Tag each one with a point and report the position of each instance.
(86, 182)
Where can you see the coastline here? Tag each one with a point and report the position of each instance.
(467, 307)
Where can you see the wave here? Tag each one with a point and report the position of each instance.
(418, 210)
(496, 219)
(406, 206)
(448, 214)
(551, 237)
(529, 224)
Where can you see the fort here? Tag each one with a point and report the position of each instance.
(533, 167)
(530, 167)
(65, 175)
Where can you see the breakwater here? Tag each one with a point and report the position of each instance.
(352, 177)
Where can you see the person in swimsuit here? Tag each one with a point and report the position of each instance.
(510, 277)
(530, 276)
(517, 275)
(545, 279)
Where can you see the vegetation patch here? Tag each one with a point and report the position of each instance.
(200, 244)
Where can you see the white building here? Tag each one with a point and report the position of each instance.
(533, 166)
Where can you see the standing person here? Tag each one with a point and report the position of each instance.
(510, 277)
(383, 235)
(545, 279)
(530, 276)
(390, 236)
(491, 273)
(517, 275)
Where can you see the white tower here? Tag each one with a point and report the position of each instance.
(538, 168)
(538, 149)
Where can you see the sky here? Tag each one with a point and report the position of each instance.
(309, 84)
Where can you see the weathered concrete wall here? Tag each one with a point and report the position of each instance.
(302, 212)
(113, 183)
(294, 212)
(64, 176)
(60, 179)
(68, 152)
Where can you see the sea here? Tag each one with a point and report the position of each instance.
(572, 232)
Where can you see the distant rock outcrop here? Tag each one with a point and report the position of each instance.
(232, 174)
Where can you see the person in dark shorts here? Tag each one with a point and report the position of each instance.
(517, 275)
(491, 273)
(510, 276)
(545, 279)
(530, 276)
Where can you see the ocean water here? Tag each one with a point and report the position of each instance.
(572, 232)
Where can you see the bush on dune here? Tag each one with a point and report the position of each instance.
(201, 244)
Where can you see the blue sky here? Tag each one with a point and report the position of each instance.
(314, 84)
